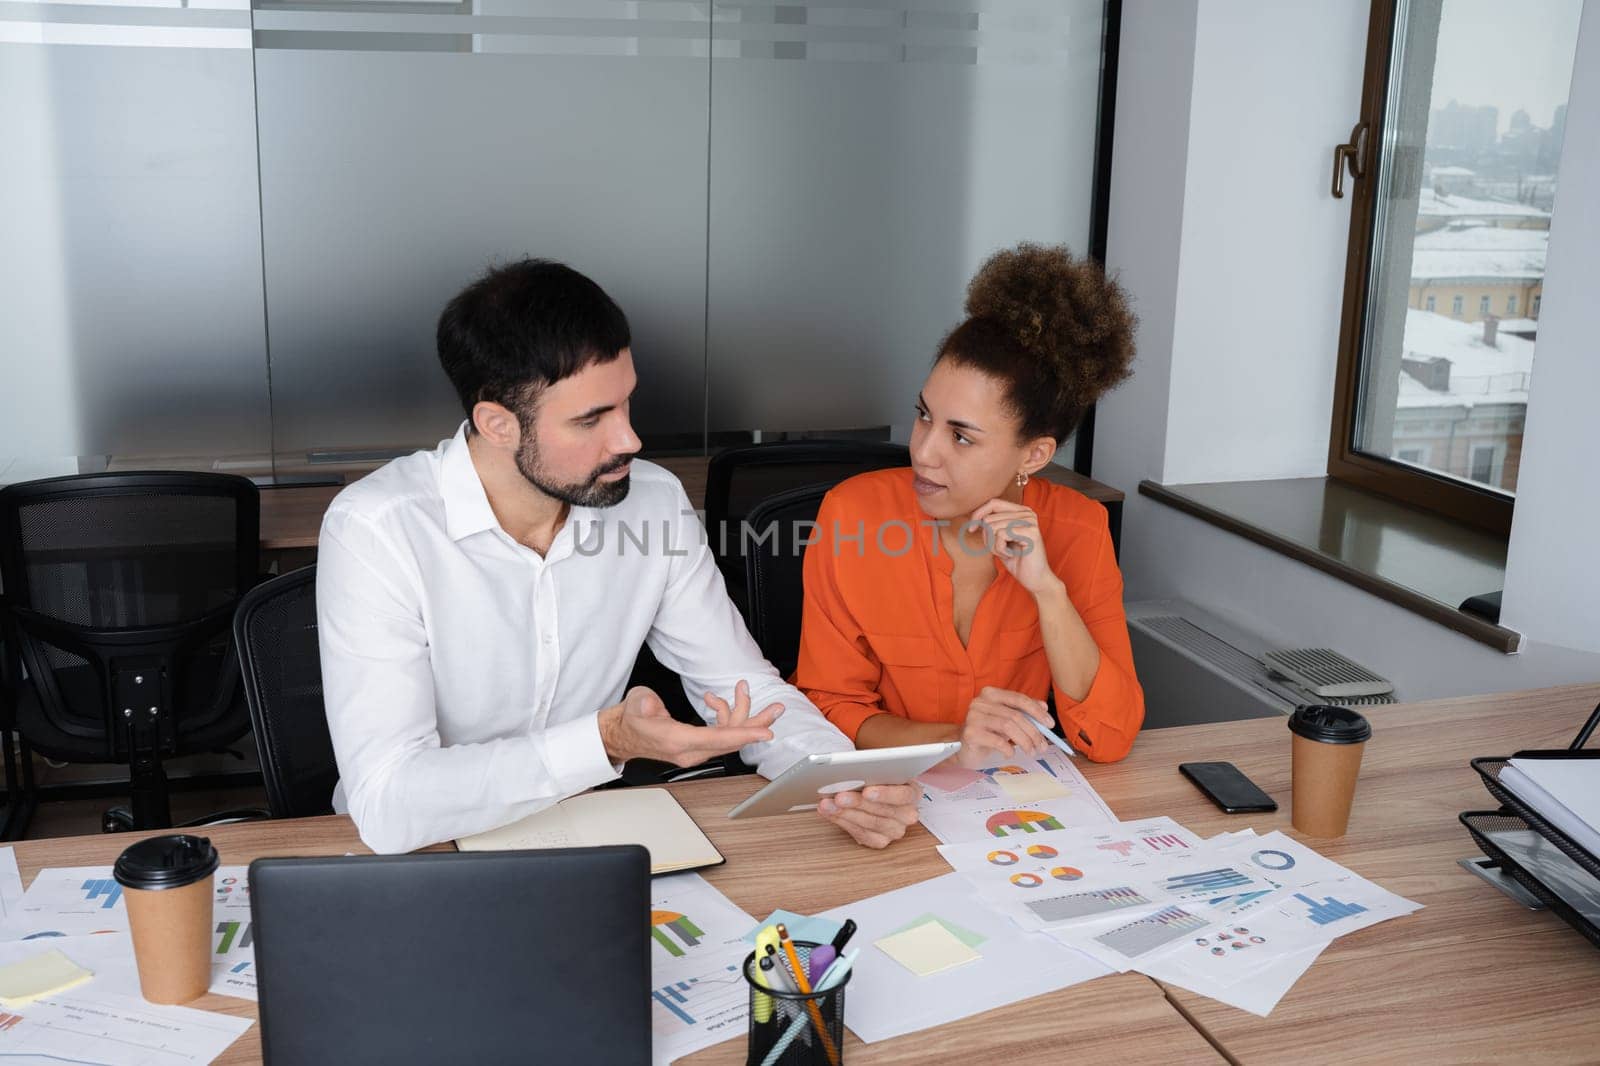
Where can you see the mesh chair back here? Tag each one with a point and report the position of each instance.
(276, 631)
(737, 479)
(139, 563)
(774, 584)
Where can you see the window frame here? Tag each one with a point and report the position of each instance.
(1481, 507)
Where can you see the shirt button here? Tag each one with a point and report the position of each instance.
(549, 639)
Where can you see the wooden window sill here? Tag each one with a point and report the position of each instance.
(1417, 560)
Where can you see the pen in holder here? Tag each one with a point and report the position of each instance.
(784, 1024)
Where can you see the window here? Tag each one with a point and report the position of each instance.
(1456, 173)
(1483, 463)
(1537, 299)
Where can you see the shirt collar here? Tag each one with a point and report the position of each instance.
(466, 505)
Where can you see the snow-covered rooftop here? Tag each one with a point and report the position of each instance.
(1479, 252)
(1431, 203)
(1478, 374)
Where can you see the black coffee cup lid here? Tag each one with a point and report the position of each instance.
(166, 862)
(1327, 724)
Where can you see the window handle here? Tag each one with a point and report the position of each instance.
(1352, 154)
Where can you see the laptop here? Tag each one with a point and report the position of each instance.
(491, 957)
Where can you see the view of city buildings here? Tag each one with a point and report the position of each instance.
(1477, 273)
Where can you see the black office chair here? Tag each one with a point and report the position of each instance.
(21, 796)
(119, 589)
(739, 478)
(275, 630)
(774, 583)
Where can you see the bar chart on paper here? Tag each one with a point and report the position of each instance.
(105, 889)
(1207, 883)
(231, 933)
(1087, 904)
(697, 999)
(1328, 910)
(674, 932)
(1144, 935)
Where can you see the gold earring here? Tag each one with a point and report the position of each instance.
(1022, 479)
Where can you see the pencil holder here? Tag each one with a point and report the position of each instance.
(792, 1029)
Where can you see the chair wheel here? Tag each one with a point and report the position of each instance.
(116, 820)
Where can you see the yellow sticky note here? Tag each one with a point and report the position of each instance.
(927, 949)
(42, 975)
(1030, 788)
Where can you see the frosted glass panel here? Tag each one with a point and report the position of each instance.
(403, 151)
(864, 161)
(130, 255)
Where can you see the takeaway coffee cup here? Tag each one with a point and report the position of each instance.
(1328, 742)
(166, 883)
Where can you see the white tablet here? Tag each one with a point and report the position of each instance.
(807, 781)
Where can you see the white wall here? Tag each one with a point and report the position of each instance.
(1239, 306)
(1553, 569)
(1253, 358)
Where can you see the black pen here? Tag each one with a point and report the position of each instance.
(846, 931)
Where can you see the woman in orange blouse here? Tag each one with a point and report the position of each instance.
(947, 601)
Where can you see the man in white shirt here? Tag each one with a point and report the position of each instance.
(481, 605)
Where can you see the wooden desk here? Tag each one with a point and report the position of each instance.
(291, 516)
(1471, 976)
(1123, 1019)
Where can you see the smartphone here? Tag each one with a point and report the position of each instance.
(1227, 787)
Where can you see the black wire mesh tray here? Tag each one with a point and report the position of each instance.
(1489, 769)
(1482, 824)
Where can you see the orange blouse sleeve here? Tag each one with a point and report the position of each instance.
(837, 669)
(1105, 722)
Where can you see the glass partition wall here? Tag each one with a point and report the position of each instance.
(229, 230)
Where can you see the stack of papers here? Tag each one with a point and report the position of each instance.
(1564, 792)
(78, 901)
(1151, 896)
(1239, 917)
(71, 984)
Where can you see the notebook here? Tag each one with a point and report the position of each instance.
(647, 816)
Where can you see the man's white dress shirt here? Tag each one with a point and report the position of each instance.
(462, 672)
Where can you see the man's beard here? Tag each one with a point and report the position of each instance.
(591, 492)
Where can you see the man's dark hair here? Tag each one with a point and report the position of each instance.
(525, 326)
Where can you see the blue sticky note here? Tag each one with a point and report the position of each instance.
(816, 930)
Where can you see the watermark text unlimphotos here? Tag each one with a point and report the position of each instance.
(892, 538)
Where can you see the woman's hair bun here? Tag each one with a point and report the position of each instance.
(1061, 310)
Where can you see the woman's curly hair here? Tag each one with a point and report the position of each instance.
(1054, 328)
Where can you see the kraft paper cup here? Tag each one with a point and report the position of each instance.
(1327, 747)
(167, 885)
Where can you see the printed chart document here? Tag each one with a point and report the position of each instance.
(1027, 795)
(1258, 942)
(647, 816)
(893, 991)
(106, 1020)
(698, 995)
